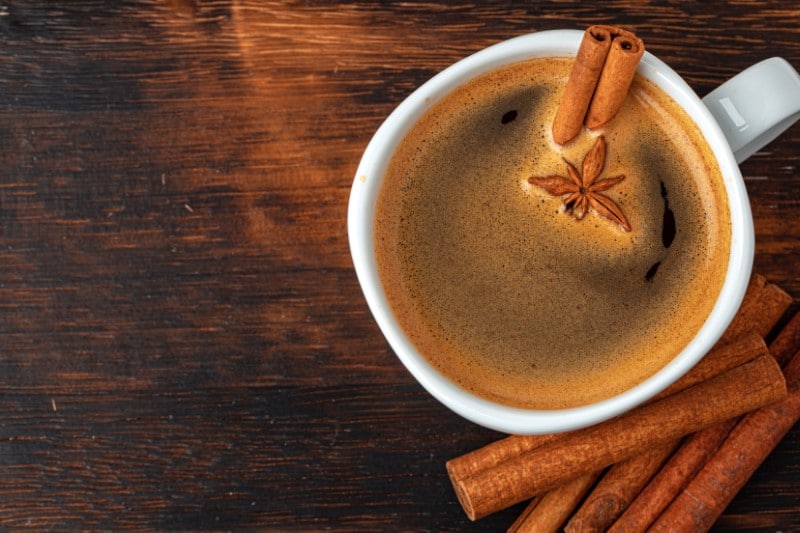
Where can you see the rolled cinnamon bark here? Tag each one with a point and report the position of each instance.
(615, 79)
(495, 453)
(720, 359)
(554, 507)
(764, 304)
(787, 341)
(581, 85)
(522, 519)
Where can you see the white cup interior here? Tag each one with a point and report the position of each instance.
(361, 213)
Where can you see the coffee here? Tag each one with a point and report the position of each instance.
(496, 284)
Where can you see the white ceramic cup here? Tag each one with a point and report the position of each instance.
(737, 119)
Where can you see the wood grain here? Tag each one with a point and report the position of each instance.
(184, 342)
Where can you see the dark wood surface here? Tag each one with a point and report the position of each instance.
(183, 343)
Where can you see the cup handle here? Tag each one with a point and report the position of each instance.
(756, 105)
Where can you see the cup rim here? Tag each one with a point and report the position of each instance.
(360, 225)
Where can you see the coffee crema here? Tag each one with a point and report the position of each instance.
(501, 290)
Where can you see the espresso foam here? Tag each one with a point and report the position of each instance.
(503, 291)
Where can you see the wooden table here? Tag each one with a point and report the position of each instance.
(183, 341)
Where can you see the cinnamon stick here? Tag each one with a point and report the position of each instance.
(554, 507)
(615, 79)
(733, 393)
(523, 517)
(763, 305)
(618, 487)
(495, 453)
(787, 341)
(699, 505)
(718, 360)
(581, 84)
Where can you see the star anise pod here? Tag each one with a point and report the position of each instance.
(583, 190)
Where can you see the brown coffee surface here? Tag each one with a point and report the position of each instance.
(501, 289)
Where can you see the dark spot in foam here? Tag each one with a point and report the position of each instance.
(651, 273)
(509, 116)
(668, 229)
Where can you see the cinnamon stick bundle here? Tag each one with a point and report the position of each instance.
(733, 393)
(699, 505)
(601, 75)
